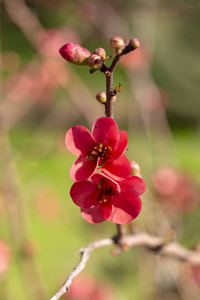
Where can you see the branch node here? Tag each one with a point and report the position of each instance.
(117, 251)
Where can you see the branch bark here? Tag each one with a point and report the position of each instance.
(160, 246)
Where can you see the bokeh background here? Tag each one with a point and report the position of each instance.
(42, 96)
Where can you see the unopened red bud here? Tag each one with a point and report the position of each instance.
(134, 43)
(135, 168)
(101, 52)
(101, 97)
(95, 62)
(117, 43)
(75, 54)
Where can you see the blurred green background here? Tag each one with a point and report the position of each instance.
(42, 96)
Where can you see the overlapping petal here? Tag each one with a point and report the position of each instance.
(83, 168)
(93, 214)
(106, 209)
(105, 130)
(125, 209)
(84, 194)
(133, 186)
(79, 141)
(122, 144)
(98, 176)
(118, 169)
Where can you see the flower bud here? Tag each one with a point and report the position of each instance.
(95, 62)
(134, 43)
(101, 97)
(135, 168)
(117, 43)
(101, 52)
(75, 54)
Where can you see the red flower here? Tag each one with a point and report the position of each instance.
(104, 148)
(102, 198)
(5, 257)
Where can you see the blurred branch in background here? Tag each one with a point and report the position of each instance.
(21, 243)
(50, 73)
(21, 15)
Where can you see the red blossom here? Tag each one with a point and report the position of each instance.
(5, 257)
(102, 198)
(85, 287)
(105, 148)
(175, 190)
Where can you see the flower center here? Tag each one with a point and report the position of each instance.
(102, 152)
(106, 191)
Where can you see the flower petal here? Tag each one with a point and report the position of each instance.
(118, 169)
(134, 186)
(93, 214)
(84, 194)
(121, 145)
(82, 169)
(125, 210)
(105, 130)
(79, 141)
(106, 209)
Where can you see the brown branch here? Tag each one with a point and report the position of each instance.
(85, 255)
(158, 245)
(109, 101)
(109, 86)
(110, 93)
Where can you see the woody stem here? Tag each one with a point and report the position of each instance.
(120, 231)
(109, 89)
(110, 93)
(109, 113)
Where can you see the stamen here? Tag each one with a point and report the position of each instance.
(101, 151)
(106, 192)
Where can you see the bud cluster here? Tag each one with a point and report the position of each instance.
(78, 55)
(118, 44)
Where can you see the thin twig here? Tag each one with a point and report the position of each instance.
(156, 244)
(85, 255)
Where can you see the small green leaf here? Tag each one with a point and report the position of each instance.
(118, 86)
